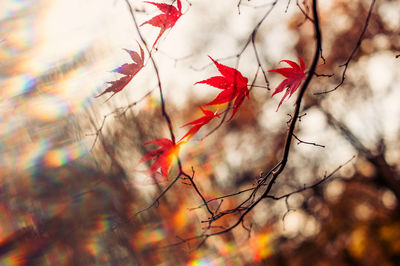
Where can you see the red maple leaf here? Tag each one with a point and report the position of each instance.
(128, 70)
(166, 20)
(163, 156)
(294, 76)
(198, 123)
(233, 85)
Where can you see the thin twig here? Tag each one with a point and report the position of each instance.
(164, 114)
(306, 16)
(306, 142)
(350, 58)
(115, 111)
(251, 39)
(316, 184)
(198, 191)
(324, 75)
(287, 6)
(281, 165)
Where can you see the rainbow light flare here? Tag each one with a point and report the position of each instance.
(12, 261)
(95, 244)
(146, 237)
(261, 245)
(60, 156)
(202, 262)
(28, 156)
(44, 80)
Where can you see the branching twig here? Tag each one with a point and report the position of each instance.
(306, 16)
(163, 108)
(350, 58)
(251, 39)
(156, 201)
(306, 142)
(316, 184)
(115, 111)
(198, 191)
(278, 169)
(166, 117)
(225, 196)
(324, 75)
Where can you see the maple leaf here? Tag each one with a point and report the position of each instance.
(198, 123)
(294, 76)
(232, 83)
(166, 20)
(163, 156)
(128, 70)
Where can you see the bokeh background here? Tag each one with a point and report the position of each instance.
(70, 183)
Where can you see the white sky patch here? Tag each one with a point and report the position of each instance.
(382, 68)
(390, 13)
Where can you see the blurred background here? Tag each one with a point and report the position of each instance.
(70, 183)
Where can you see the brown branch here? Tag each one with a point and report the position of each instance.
(198, 191)
(251, 39)
(163, 108)
(115, 111)
(238, 6)
(324, 75)
(282, 164)
(287, 6)
(350, 58)
(316, 184)
(165, 115)
(157, 200)
(258, 59)
(306, 16)
(306, 142)
(225, 196)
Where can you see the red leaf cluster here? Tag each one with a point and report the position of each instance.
(198, 123)
(163, 156)
(232, 83)
(166, 20)
(233, 86)
(294, 76)
(128, 70)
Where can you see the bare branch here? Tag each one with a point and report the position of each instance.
(287, 6)
(115, 112)
(305, 13)
(350, 58)
(325, 179)
(324, 75)
(253, 199)
(156, 201)
(198, 191)
(251, 39)
(306, 142)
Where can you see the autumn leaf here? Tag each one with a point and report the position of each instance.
(166, 20)
(128, 70)
(294, 76)
(163, 156)
(198, 123)
(233, 86)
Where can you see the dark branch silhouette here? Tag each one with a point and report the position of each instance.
(350, 58)
(253, 200)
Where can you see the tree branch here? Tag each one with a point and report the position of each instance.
(350, 58)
